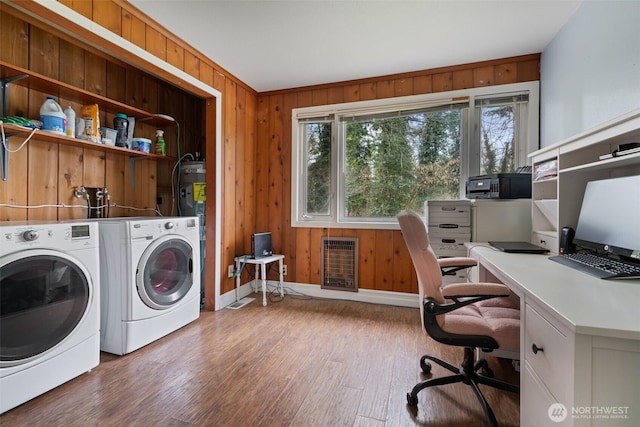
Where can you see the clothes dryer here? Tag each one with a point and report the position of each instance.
(150, 275)
(49, 307)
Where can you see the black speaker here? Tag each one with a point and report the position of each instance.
(566, 240)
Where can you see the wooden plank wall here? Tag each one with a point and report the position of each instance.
(384, 262)
(256, 143)
(46, 173)
(238, 132)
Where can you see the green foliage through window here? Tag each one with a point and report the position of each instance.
(318, 158)
(364, 162)
(397, 163)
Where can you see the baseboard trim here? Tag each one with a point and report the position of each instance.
(400, 299)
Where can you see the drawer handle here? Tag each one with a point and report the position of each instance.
(536, 349)
(543, 242)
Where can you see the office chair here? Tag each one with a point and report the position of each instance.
(469, 315)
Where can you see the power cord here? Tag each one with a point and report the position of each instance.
(4, 139)
(239, 271)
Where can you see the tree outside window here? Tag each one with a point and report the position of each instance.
(362, 163)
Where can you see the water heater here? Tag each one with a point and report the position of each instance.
(193, 196)
(193, 190)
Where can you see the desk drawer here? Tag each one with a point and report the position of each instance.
(546, 240)
(454, 230)
(448, 212)
(448, 252)
(450, 243)
(554, 363)
(535, 402)
(460, 277)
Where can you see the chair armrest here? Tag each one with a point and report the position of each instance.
(463, 294)
(449, 266)
(458, 261)
(459, 290)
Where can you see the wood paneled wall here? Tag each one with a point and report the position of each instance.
(93, 72)
(384, 262)
(256, 140)
(46, 173)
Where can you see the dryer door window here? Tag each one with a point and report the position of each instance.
(42, 299)
(165, 273)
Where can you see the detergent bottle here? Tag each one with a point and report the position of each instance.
(52, 117)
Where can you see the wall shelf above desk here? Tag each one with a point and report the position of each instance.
(578, 161)
(613, 162)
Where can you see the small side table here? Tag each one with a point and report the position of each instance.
(262, 262)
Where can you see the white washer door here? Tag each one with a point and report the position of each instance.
(44, 295)
(165, 272)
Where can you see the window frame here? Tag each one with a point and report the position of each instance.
(469, 150)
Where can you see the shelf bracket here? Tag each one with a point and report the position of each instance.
(4, 154)
(4, 91)
(4, 142)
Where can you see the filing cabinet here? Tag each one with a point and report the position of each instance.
(449, 225)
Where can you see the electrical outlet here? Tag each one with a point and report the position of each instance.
(284, 269)
(231, 271)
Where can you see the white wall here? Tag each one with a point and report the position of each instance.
(590, 72)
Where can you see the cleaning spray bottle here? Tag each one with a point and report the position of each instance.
(161, 147)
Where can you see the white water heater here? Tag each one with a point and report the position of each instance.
(193, 196)
(193, 189)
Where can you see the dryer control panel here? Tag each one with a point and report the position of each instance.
(61, 236)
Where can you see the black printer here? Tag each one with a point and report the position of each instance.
(500, 186)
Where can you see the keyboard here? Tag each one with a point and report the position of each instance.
(599, 265)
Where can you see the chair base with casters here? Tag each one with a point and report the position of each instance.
(470, 372)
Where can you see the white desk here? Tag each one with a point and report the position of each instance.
(589, 330)
(262, 262)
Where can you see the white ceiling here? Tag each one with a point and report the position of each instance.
(272, 44)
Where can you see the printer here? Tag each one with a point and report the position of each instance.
(499, 186)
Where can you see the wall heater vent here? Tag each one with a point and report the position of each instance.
(340, 263)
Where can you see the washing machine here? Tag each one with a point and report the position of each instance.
(49, 307)
(150, 277)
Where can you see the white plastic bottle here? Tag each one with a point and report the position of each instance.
(71, 121)
(52, 117)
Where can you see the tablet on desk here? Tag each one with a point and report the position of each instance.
(519, 247)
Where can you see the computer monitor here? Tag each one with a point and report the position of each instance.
(609, 220)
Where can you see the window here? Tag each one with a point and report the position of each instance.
(357, 165)
(502, 122)
(317, 171)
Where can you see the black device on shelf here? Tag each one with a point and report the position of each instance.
(261, 245)
(499, 186)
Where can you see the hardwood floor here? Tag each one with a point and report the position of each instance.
(298, 362)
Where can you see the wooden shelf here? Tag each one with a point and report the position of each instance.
(11, 74)
(13, 130)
